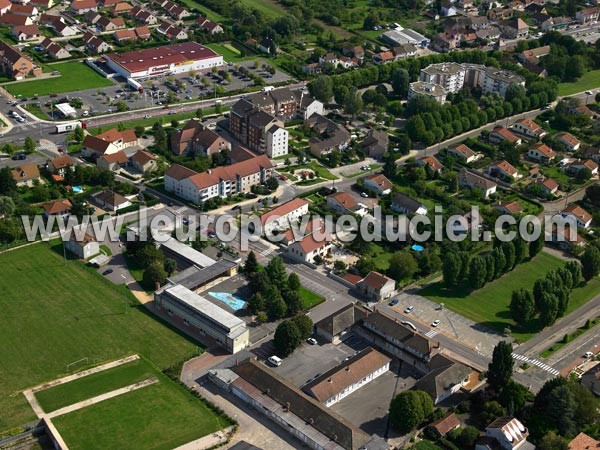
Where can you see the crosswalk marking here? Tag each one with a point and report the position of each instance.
(431, 333)
(268, 251)
(537, 363)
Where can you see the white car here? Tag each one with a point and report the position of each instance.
(408, 309)
(589, 355)
(589, 93)
(312, 341)
(364, 195)
(436, 323)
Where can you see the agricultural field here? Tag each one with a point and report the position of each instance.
(158, 416)
(489, 305)
(75, 76)
(73, 314)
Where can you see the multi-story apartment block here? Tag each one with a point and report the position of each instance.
(451, 75)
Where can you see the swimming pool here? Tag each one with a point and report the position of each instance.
(230, 300)
(417, 248)
(77, 189)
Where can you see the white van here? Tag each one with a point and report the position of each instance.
(268, 88)
(274, 361)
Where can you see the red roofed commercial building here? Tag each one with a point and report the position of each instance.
(281, 217)
(218, 182)
(172, 59)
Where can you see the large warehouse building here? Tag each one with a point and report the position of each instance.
(176, 58)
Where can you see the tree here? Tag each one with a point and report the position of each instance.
(541, 400)
(477, 272)
(553, 441)
(514, 396)
(292, 301)
(562, 405)
(536, 245)
(252, 266)
(575, 268)
(400, 82)
(354, 103)
(276, 306)
(407, 410)
(256, 303)
(451, 269)
(521, 249)
(548, 309)
(508, 249)
(389, 167)
(304, 324)
(322, 88)
(522, 306)
(153, 275)
(590, 263)
(139, 130)
(148, 255)
(403, 266)
(501, 368)
(286, 338)
(467, 437)
(293, 282)
(276, 271)
(29, 145)
(272, 183)
(7, 206)
(78, 134)
(170, 266)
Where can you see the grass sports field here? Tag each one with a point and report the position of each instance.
(54, 314)
(589, 80)
(159, 416)
(489, 305)
(75, 76)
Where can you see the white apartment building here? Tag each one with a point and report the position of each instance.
(450, 75)
(276, 141)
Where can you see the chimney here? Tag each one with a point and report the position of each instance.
(157, 286)
(347, 368)
(330, 380)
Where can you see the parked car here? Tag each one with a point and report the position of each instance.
(312, 341)
(107, 272)
(394, 302)
(589, 355)
(436, 323)
(364, 195)
(408, 309)
(275, 361)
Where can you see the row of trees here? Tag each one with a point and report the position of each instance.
(475, 271)
(156, 267)
(550, 296)
(275, 295)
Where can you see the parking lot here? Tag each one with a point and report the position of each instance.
(183, 87)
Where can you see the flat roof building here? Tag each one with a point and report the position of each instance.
(431, 90)
(203, 318)
(176, 58)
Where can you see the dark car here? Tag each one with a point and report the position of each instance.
(394, 302)
(107, 272)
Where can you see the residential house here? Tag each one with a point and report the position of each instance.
(5, 6)
(221, 181)
(549, 186)
(42, 4)
(445, 378)
(556, 23)
(143, 16)
(24, 10)
(63, 30)
(529, 128)
(536, 8)
(120, 8)
(82, 244)
(501, 134)
(377, 287)
(110, 200)
(405, 51)
(309, 249)
(474, 181)
(499, 14)
(332, 136)
(112, 161)
(267, 45)
(309, 106)
(60, 165)
(404, 204)
(144, 161)
(378, 183)
(83, 6)
(315, 225)
(571, 143)
(582, 441)
(91, 17)
(175, 11)
(354, 51)
(94, 44)
(349, 376)
(208, 26)
(448, 9)
(592, 153)
(575, 166)
(588, 15)
(26, 33)
(376, 143)
(142, 33)
(383, 57)
(432, 162)
(505, 433)
(463, 153)
(584, 218)
(281, 217)
(568, 238)
(57, 208)
(54, 50)
(591, 380)
(125, 35)
(26, 174)
(343, 203)
(12, 20)
(444, 425)
(533, 55)
(111, 141)
(541, 152)
(110, 24)
(503, 169)
(514, 28)
(171, 31)
(511, 208)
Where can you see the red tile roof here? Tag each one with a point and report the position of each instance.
(284, 209)
(57, 207)
(376, 280)
(578, 212)
(584, 442)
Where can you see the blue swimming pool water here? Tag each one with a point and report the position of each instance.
(417, 248)
(230, 300)
(77, 189)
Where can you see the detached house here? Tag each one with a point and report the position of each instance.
(110, 200)
(343, 203)
(60, 165)
(549, 186)
(514, 28)
(376, 143)
(529, 128)
(501, 134)
(94, 44)
(111, 141)
(584, 218)
(503, 169)
(541, 152)
(473, 181)
(144, 161)
(83, 6)
(430, 161)
(588, 15)
(378, 183)
(309, 248)
(26, 174)
(445, 378)
(26, 33)
(112, 161)
(504, 433)
(462, 153)
(508, 207)
(57, 208)
(404, 204)
(54, 50)
(111, 24)
(208, 26)
(377, 286)
(569, 141)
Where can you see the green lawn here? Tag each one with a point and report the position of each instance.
(270, 8)
(161, 416)
(95, 384)
(589, 80)
(322, 172)
(229, 52)
(75, 76)
(55, 313)
(489, 305)
(425, 445)
(309, 299)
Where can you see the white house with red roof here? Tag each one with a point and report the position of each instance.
(541, 152)
(529, 128)
(503, 169)
(377, 286)
(569, 141)
(501, 134)
(307, 249)
(379, 184)
(430, 161)
(584, 218)
(463, 153)
(282, 216)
